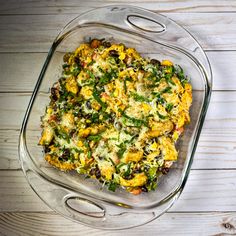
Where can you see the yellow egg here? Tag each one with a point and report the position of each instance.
(166, 63)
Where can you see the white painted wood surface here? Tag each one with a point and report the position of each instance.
(208, 203)
(214, 31)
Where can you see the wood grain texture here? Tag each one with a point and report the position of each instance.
(34, 33)
(208, 203)
(206, 190)
(12, 109)
(20, 71)
(9, 149)
(16, 194)
(171, 224)
(74, 6)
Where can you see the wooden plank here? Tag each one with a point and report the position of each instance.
(20, 71)
(50, 224)
(16, 195)
(27, 66)
(12, 109)
(216, 147)
(9, 149)
(30, 33)
(73, 6)
(224, 73)
(35, 33)
(206, 190)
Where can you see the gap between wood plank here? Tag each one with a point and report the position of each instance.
(155, 11)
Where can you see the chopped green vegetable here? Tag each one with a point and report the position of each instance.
(180, 74)
(139, 98)
(96, 96)
(95, 138)
(161, 116)
(112, 186)
(136, 122)
(169, 107)
(122, 150)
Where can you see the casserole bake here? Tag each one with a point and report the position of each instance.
(116, 116)
(83, 200)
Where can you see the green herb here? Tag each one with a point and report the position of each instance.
(113, 163)
(112, 186)
(78, 150)
(96, 96)
(151, 86)
(66, 72)
(169, 107)
(132, 139)
(152, 186)
(166, 90)
(89, 82)
(125, 85)
(105, 116)
(161, 116)
(95, 118)
(126, 132)
(118, 167)
(89, 154)
(65, 66)
(139, 98)
(122, 150)
(63, 95)
(62, 134)
(115, 139)
(86, 144)
(160, 100)
(170, 81)
(91, 63)
(76, 71)
(169, 69)
(94, 138)
(111, 60)
(152, 173)
(180, 74)
(91, 75)
(100, 69)
(81, 170)
(136, 122)
(107, 77)
(128, 170)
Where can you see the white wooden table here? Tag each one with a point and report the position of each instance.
(208, 203)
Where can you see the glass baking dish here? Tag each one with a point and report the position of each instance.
(85, 200)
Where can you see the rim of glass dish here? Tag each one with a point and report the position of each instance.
(185, 171)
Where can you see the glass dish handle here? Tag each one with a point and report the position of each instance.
(129, 18)
(87, 211)
(82, 208)
(136, 19)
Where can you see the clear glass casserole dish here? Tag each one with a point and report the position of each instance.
(84, 200)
